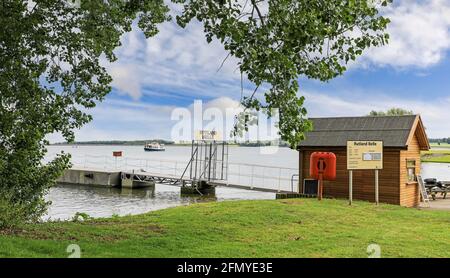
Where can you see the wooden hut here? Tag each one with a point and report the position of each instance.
(403, 138)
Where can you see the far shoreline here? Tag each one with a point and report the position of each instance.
(171, 145)
(166, 144)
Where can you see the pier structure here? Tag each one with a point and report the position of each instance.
(138, 179)
(206, 168)
(136, 172)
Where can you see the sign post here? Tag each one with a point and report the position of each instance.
(376, 187)
(116, 154)
(211, 135)
(350, 187)
(320, 189)
(364, 155)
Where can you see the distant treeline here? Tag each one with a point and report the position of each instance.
(118, 142)
(167, 142)
(440, 140)
(262, 144)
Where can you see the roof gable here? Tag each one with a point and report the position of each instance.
(394, 131)
(419, 132)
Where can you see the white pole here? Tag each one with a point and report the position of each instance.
(279, 180)
(350, 187)
(376, 187)
(251, 178)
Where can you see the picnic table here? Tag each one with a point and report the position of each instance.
(442, 187)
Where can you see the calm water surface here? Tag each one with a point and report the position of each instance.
(104, 202)
(282, 157)
(440, 171)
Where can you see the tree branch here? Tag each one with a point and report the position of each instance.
(255, 6)
(223, 62)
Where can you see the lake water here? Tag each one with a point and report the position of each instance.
(280, 157)
(440, 171)
(104, 202)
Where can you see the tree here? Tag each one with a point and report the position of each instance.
(50, 74)
(278, 40)
(391, 112)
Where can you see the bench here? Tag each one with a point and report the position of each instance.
(435, 190)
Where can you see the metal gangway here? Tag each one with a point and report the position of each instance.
(270, 178)
(208, 161)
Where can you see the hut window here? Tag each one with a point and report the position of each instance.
(411, 169)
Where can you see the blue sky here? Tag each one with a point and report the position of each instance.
(153, 77)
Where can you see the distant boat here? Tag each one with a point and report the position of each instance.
(154, 147)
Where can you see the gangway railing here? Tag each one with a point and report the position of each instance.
(242, 174)
(189, 165)
(294, 180)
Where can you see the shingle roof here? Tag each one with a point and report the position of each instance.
(335, 132)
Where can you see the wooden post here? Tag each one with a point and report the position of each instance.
(209, 161)
(376, 187)
(319, 190)
(300, 171)
(223, 160)
(192, 159)
(350, 187)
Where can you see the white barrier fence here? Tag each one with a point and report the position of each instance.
(249, 175)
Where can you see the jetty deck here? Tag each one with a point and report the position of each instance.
(245, 176)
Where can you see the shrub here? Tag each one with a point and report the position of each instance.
(24, 183)
(12, 214)
(80, 217)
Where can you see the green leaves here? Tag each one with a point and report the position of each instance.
(49, 77)
(395, 111)
(277, 41)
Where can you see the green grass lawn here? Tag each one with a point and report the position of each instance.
(438, 156)
(276, 228)
(442, 145)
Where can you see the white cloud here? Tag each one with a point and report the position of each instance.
(419, 35)
(223, 103)
(177, 59)
(126, 79)
(130, 120)
(432, 112)
(181, 60)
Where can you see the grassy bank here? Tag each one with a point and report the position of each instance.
(285, 228)
(442, 145)
(438, 156)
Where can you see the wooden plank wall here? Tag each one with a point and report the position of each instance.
(363, 180)
(409, 192)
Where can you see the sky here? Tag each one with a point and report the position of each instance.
(154, 77)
